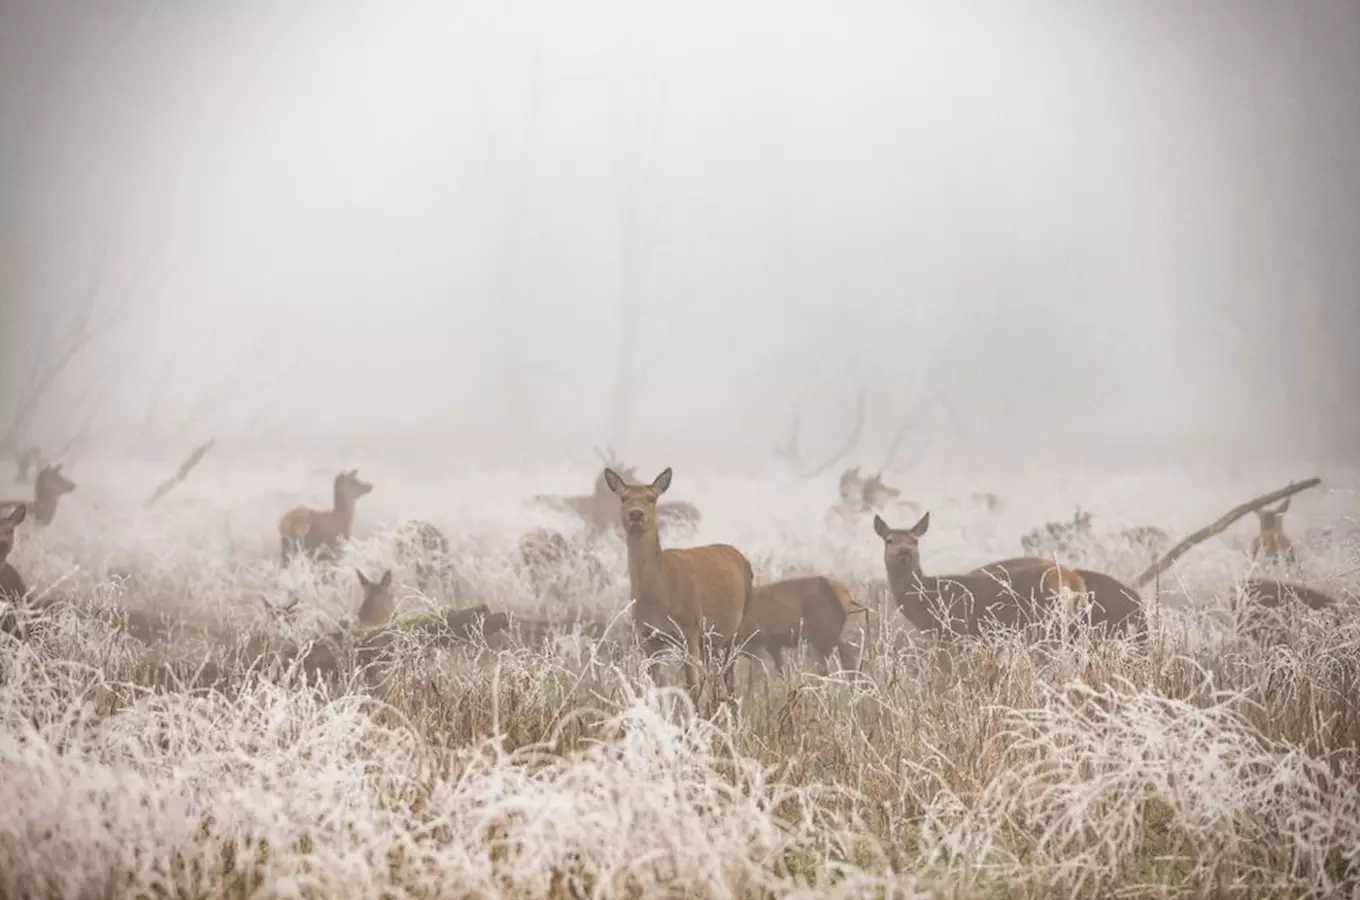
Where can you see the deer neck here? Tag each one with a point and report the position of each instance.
(912, 589)
(645, 570)
(45, 506)
(342, 513)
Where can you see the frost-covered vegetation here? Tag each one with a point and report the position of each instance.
(1201, 764)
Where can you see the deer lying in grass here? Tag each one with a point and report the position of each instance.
(378, 604)
(680, 593)
(317, 532)
(12, 587)
(960, 604)
(815, 607)
(1116, 608)
(1272, 542)
(1264, 603)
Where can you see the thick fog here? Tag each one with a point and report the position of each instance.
(512, 230)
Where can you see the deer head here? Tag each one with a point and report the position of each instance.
(638, 501)
(378, 604)
(350, 487)
(52, 483)
(902, 546)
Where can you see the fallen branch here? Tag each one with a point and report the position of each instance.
(1209, 531)
(185, 468)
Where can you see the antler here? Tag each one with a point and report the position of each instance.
(790, 450)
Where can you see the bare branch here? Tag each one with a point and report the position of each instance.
(1222, 523)
(185, 468)
(851, 441)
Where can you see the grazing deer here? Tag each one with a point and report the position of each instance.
(1272, 541)
(1116, 608)
(815, 607)
(424, 542)
(680, 593)
(379, 604)
(959, 604)
(318, 532)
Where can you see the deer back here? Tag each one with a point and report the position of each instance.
(1012, 597)
(711, 585)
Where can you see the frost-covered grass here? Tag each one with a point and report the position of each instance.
(1201, 764)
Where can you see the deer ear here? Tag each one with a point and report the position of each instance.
(386, 581)
(881, 527)
(612, 479)
(921, 527)
(663, 481)
(18, 514)
(363, 580)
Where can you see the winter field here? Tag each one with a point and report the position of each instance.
(1202, 765)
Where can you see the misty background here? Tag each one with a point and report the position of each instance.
(515, 230)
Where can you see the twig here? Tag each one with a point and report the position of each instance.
(185, 468)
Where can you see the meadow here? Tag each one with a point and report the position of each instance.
(1201, 764)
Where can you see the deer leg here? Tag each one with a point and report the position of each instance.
(777, 656)
(651, 647)
(695, 649)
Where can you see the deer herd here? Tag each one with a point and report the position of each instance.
(704, 599)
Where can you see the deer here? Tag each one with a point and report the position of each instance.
(1272, 542)
(424, 542)
(814, 606)
(680, 592)
(959, 605)
(12, 587)
(1115, 607)
(48, 487)
(378, 604)
(1263, 598)
(550, 559)
(317, 532)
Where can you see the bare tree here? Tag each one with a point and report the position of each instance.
(185, 468)
(790, 451)
(513, 171)
(67, 334)
(640, 218)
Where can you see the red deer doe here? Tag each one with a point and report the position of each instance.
(960, 604)
(379, 604)
(680, 593)
(1272, 542)
(1116, 608)
(1265, 604)
(316, 532)
(815, 607)
(12, 587)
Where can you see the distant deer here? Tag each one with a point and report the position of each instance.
(1272, 542)
(1057, 537)
(424, 542)
(48, 488)
(815, 607)
(1116, 608)
(27, 461)
(317, 532)
(1265, 598)
(378, 604)
(551, 559)
(959, 604)
(680, 593)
